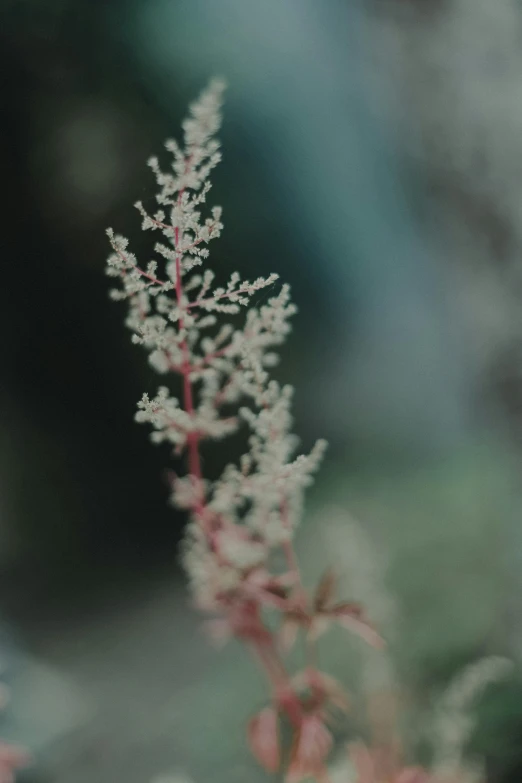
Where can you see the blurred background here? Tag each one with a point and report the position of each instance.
(373, 158)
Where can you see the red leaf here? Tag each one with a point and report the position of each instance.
(263, 738)
(332, 689)
(325, 590)
(311, 747)
(354, 621)
(319, 625)
(348, 607)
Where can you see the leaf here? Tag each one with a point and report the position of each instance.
(325, 590)
(319, 625)
(294, 617)
(329, 687)
(263, 738)
(312, 744)
(348, 607)
(278, 590)
(333, 690)
(354, 621)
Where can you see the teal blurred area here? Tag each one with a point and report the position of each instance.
(394, 219)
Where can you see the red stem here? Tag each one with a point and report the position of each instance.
(265, 650)
(188, 400)
(283, 692)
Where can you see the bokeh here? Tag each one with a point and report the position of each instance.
(371, 158)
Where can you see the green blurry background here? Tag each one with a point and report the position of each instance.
(358, 166)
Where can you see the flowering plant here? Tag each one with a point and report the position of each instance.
(238, 522)
(241, 526)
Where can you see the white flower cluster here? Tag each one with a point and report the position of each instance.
(178, 315)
